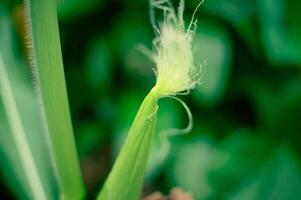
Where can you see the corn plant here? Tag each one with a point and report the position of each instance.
(176, 74)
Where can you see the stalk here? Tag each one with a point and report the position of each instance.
(48, 70)
(126, 178)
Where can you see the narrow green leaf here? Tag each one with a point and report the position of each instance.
(48, 70)
(126, 178)
(19, 135)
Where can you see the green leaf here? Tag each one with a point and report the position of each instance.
(214, 52)
(48, 70)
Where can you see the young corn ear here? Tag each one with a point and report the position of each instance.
(126, 177)
(175, 74)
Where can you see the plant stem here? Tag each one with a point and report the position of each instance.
(49, 73)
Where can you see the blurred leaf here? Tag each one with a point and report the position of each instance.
(10, 161)
(215, 48)
(280, 32)
(247, 154)
(191, 162)
(212, 171)
(240, 14)
(281, 179)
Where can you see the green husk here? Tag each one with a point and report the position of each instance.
(175, 74)
(126, 178)
(48, 70)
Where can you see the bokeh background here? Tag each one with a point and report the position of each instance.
(245, 143)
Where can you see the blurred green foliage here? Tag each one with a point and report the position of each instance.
(245, 143)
